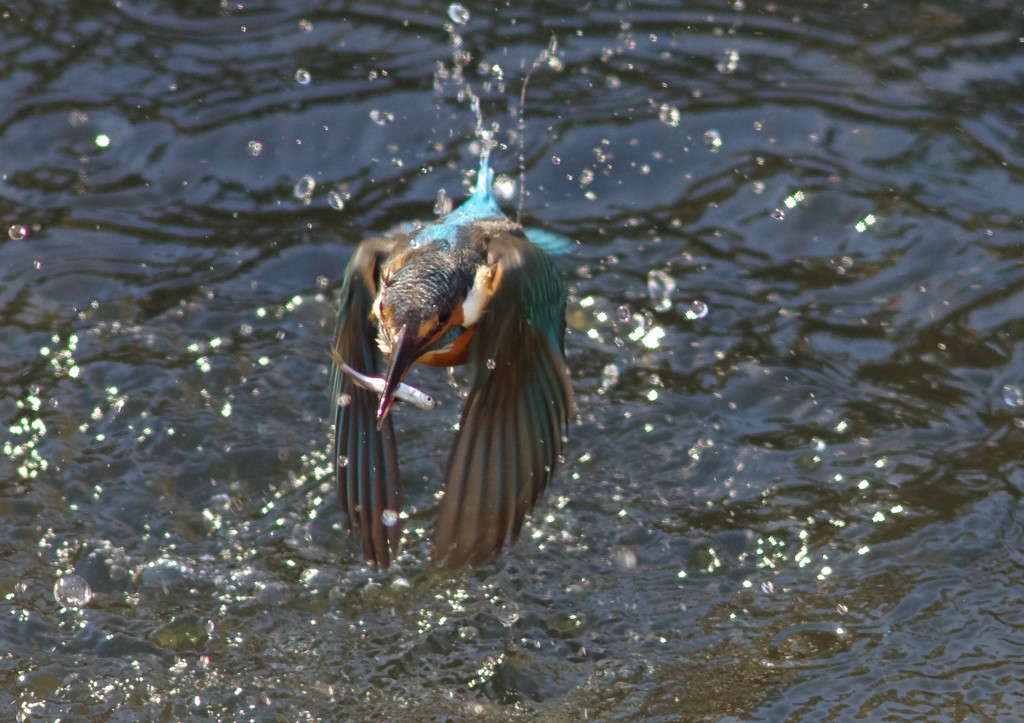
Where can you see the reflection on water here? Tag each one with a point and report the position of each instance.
(795, 334)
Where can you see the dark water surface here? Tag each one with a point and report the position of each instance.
(796, 334)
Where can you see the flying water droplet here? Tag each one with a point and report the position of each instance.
(302, 76)
(1013, 396)
(625, 558)
(344, 400)
(624, 313)
(342, 461)
(381, 117)
(609, 377)
(72, 591)
(729, 64)
(713, 140)
(17, 232)
(491, 364)
(660, 287)
(255, 148)
(389, 518)
(669, 115)
(778, 214)
(444, 205)
(335, 201)
(504, 187)
(458, 13)
(698, 310)
(304, 189)
(508, 614)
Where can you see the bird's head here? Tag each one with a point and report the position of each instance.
(427, 299)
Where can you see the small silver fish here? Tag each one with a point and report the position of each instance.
(404, 392)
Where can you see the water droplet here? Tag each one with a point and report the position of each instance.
(302, 76)
(335, 201)
(344, 400)
(305, 26)
(767, 587)
(508, 614)
(389, 518)
(17, 232)
(669, 115)
(72, 591)
(444, 205)
(491, 364)
(713, 140)
(381, 117)
(625, 558)
(1013, 396)
(304, 189)
(458, 13)
(586, 177)
(255, 148)
(504, 187)
(102, 140)
(778, 214)
(729, 64)
(342, 461)
(245, 330)
(698, 310)
(660, 287)
(609, 376)
(624, 313)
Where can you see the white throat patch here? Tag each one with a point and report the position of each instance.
(478, 296)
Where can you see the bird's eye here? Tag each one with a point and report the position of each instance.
(444, 316)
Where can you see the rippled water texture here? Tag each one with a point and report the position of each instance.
(793, 490)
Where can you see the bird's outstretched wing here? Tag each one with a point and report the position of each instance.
(511, 431)
(366, 459)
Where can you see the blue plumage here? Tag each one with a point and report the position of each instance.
(471, 287)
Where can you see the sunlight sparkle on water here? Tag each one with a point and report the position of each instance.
(794, 200)
(865, 223)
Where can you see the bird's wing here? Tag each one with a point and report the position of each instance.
(366, 459)
(513, 426)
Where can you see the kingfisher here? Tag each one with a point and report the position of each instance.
(469, 288)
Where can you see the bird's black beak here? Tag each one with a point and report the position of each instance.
(403, 354)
